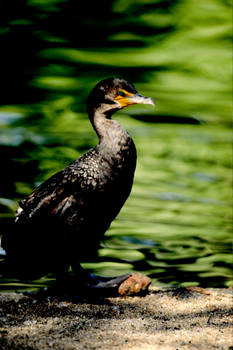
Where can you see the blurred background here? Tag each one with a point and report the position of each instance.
(176, 225)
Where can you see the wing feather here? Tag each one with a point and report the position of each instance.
(56, 193)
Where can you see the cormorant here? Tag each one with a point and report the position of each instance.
(64, 218)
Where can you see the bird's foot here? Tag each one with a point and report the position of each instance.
(129, 284)
(81, 283)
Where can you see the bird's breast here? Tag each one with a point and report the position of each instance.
(119, 158)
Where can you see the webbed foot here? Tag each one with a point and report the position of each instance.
(86, 284)
(129, 284)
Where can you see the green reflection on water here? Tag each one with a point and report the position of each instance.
(176, 225)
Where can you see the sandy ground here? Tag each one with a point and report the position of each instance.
(176, 319)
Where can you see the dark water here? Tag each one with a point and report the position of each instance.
(176, 225)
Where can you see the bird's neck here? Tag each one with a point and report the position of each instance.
(112, 136)
(116, 148)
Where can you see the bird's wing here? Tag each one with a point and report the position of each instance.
(57, 192)
(45, 197)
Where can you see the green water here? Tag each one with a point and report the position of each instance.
(176, 225)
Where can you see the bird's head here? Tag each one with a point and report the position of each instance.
(113, 94)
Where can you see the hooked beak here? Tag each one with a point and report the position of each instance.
(137, 98)
(131, 99)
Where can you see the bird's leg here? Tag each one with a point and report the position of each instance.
(82, 283)
(103, 285)
(62, 279)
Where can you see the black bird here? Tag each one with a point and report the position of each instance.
(62, 221)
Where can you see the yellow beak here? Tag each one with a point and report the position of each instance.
(131, 99)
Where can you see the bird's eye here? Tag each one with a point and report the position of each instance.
(121, 93)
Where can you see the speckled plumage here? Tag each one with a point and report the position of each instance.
(63, 220)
